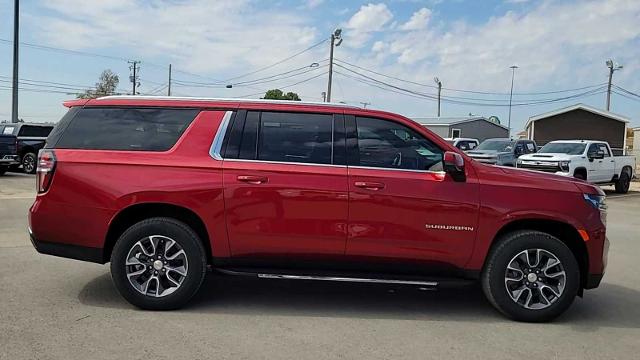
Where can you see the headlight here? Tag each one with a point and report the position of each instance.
(598, 202)
(564, 165)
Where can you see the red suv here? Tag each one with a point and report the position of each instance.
(164, 188)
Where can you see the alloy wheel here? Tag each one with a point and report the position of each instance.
(535, 279)
(156, 266)
(28, 163)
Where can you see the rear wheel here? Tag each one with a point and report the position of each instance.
(623, 183)
(531, 276)
(29, 163)
(158, 264)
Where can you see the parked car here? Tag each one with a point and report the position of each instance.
(463, 144)
(502, 151)
(165, 187)
(31, 138)
(8, 155)
(584, 159)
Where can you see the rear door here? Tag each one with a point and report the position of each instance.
(608, 168)
(402, 206)
(285, 185)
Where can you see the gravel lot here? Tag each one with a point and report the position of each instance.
(53, 308)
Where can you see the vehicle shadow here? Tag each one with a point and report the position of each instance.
(609, 306)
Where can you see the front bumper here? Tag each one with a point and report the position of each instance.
(67, 251)
(9, 160)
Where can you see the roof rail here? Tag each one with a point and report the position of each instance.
(266, 101)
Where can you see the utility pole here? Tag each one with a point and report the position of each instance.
(335, 36)
(134, 78)
(612, 68)
(513, 73)
(169, 88)
(16, 47)
(439, 83)
(364, 104)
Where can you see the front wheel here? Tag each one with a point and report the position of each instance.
(29, 163)
(3, 169)
(531, 276)
(158, 264)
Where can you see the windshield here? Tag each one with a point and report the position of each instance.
(496, 145)
(563, 148)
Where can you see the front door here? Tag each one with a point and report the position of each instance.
(402, 206)
(285, 188)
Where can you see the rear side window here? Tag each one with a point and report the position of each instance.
(144, 129)
(295, 137)
(34, 131)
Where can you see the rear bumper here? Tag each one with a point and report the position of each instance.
(67, 251)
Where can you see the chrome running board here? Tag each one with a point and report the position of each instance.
(348, 279)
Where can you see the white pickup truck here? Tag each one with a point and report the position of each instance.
(584, 159)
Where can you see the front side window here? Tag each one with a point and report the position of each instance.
(295, 137)
(386, 144)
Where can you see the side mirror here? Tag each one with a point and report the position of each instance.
(454, 166)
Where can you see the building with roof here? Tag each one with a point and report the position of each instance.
(476, 127)
(579, 122)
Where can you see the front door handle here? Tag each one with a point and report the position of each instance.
(252, 179)
(369, 185)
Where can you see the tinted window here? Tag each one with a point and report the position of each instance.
(126, 128)
(295, 137)
(564, 148)
(386, 144)
(35, 131)
(496, 145)
(602, 147)
(57, 131)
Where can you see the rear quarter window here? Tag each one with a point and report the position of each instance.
(136, 129)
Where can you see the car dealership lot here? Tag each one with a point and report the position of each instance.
(58, 308)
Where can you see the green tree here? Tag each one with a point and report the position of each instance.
(277, 94)
(106, 85)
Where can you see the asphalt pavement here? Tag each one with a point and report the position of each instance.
(54, 308)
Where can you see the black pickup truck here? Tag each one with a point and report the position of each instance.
(8, 155)
(30, 138)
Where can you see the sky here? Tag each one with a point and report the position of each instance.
(390, 53)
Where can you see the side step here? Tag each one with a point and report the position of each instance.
(422, 283)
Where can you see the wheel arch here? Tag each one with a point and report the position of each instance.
(563, 231)
(580, 170)
(138, 212)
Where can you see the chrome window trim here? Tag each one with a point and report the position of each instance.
(216, 145)
(285, 162)
(392, 169)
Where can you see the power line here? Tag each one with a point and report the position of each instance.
(278, 62)
(290, 85)
(469, 91)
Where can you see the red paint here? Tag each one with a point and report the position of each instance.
(258, 209)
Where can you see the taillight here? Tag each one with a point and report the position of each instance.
(46, 167)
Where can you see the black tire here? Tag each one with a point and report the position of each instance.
(3, 169)
(623, 183)
(29, 163)
(185, 237)
(493, 275)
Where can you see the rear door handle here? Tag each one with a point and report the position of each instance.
(252, 179)
(369, 185)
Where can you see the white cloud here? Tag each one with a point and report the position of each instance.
(312, 4)
(418, 21)
(378, 46)
(200, 35)
(369, 19)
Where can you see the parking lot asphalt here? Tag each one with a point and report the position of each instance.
(54, 308)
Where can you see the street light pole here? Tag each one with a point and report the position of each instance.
(16, 47)
(439, 91)
(335, 36)
(612, 68)
(513, 73)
